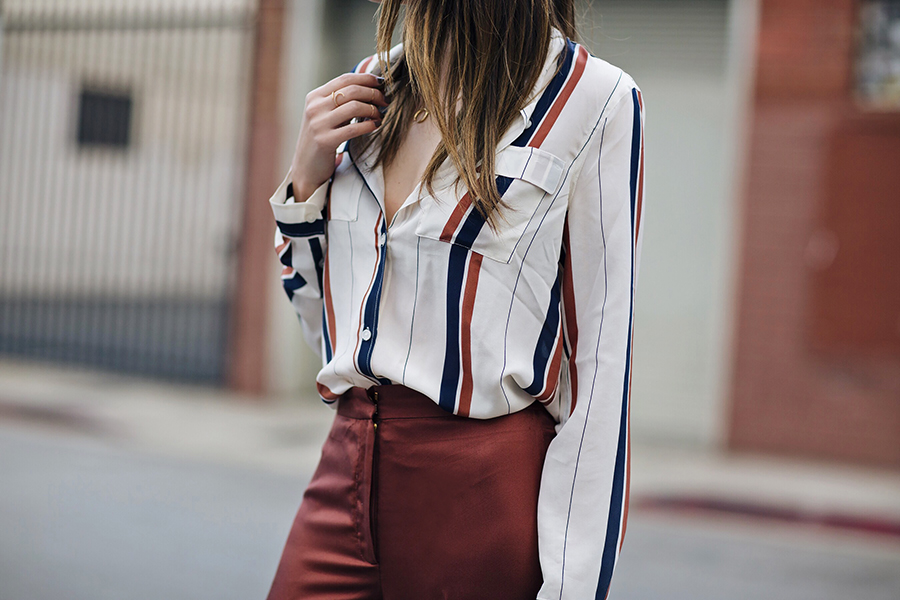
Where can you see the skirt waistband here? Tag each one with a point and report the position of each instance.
(394, 402)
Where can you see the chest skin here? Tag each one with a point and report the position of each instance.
(405, 172)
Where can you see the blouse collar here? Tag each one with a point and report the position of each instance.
(374, 176)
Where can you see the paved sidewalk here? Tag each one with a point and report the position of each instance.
(278, 434)
(284, 435)
(109, 481)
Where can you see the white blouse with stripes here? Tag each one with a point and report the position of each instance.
(486, 323)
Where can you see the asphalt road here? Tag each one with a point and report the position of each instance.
(86, 518)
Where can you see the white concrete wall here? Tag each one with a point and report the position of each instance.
(43, 5)
(159, 215)
(690, 58)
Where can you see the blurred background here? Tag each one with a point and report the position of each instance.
(158, 415)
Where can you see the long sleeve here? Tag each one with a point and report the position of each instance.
(583, 502)
(301, 245)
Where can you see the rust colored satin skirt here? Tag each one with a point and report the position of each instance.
(410, 502)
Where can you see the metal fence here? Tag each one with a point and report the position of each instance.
(122, 156)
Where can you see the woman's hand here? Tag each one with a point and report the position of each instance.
(326, 125)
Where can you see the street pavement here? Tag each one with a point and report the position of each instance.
(112, 488)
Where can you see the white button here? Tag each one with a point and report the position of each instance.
(381, 242)
(366, 334)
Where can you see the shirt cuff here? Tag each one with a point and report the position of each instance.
(286, 210)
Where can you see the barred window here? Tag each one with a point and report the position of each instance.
(104, 119)
(878, 57)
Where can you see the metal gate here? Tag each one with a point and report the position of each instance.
(122, 163)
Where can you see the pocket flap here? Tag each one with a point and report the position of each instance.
(450, 218)
(534, 165)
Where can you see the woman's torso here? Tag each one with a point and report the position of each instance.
(435, 300)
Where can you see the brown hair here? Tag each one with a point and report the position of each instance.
(495, 50)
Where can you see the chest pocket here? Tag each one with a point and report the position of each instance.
(346, 188)
(448, 217)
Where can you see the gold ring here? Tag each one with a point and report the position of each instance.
(334, 97)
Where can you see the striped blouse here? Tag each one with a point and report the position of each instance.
(486, 323)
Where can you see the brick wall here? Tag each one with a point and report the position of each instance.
(807, 381)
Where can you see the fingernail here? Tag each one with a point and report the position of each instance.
(382, 109)
(379, 78)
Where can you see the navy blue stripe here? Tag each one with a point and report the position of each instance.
(467, 234)
(296, 230)
(608, 559)
(370, 313)
(450, 377)
(293, 284)
(545, 340)
(370, 317)
(470, 229)
(474, 223)
(635, 150)
(315, 247)
(504, 182)
(607, 562)
(549, 95)
(456, 269)
(286, 256)
(328, 350)
(590, 398)
(567, 343)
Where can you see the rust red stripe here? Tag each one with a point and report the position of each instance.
(455, 218)
(569, 308)
(552, 381)
(465, 394)
(561, 100)
(282, 245)
(365, 64)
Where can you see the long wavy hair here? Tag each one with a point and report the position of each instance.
(495, 50)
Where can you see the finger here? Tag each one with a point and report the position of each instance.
(349, 110)
(362, 93)
(352, 130)
(366, 79)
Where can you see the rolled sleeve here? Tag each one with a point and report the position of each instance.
(288, 211)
